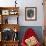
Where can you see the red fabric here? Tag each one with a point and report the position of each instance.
(29, 33)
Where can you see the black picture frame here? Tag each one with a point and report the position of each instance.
(30, 13)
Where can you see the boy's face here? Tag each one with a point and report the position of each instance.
(31, 41)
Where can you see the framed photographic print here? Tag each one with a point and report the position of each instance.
(31, 13)
(5, 12)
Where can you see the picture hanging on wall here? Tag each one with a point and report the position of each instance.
(30, 13)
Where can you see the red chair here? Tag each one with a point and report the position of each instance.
(29, 33)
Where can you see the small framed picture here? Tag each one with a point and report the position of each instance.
(5, 12)
(31, 13)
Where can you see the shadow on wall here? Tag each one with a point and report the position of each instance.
(37, 29)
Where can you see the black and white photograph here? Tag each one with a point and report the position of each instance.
(31, 13)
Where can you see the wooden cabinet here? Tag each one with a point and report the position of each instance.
(7, 26)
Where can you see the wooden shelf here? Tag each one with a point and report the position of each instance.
(11, 26)
(10, 9)
(10, 43)
(4, 13)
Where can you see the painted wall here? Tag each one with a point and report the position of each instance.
(26, 3)
(34, 24)
(37, 29)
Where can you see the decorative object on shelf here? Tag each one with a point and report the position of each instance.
(15, 3)
(15, 30)
(30, 13)
(15, 34)
(13, 12)
(7, 34)
(9, 11)
(5, 12)
(15, 37)
(6, 21)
